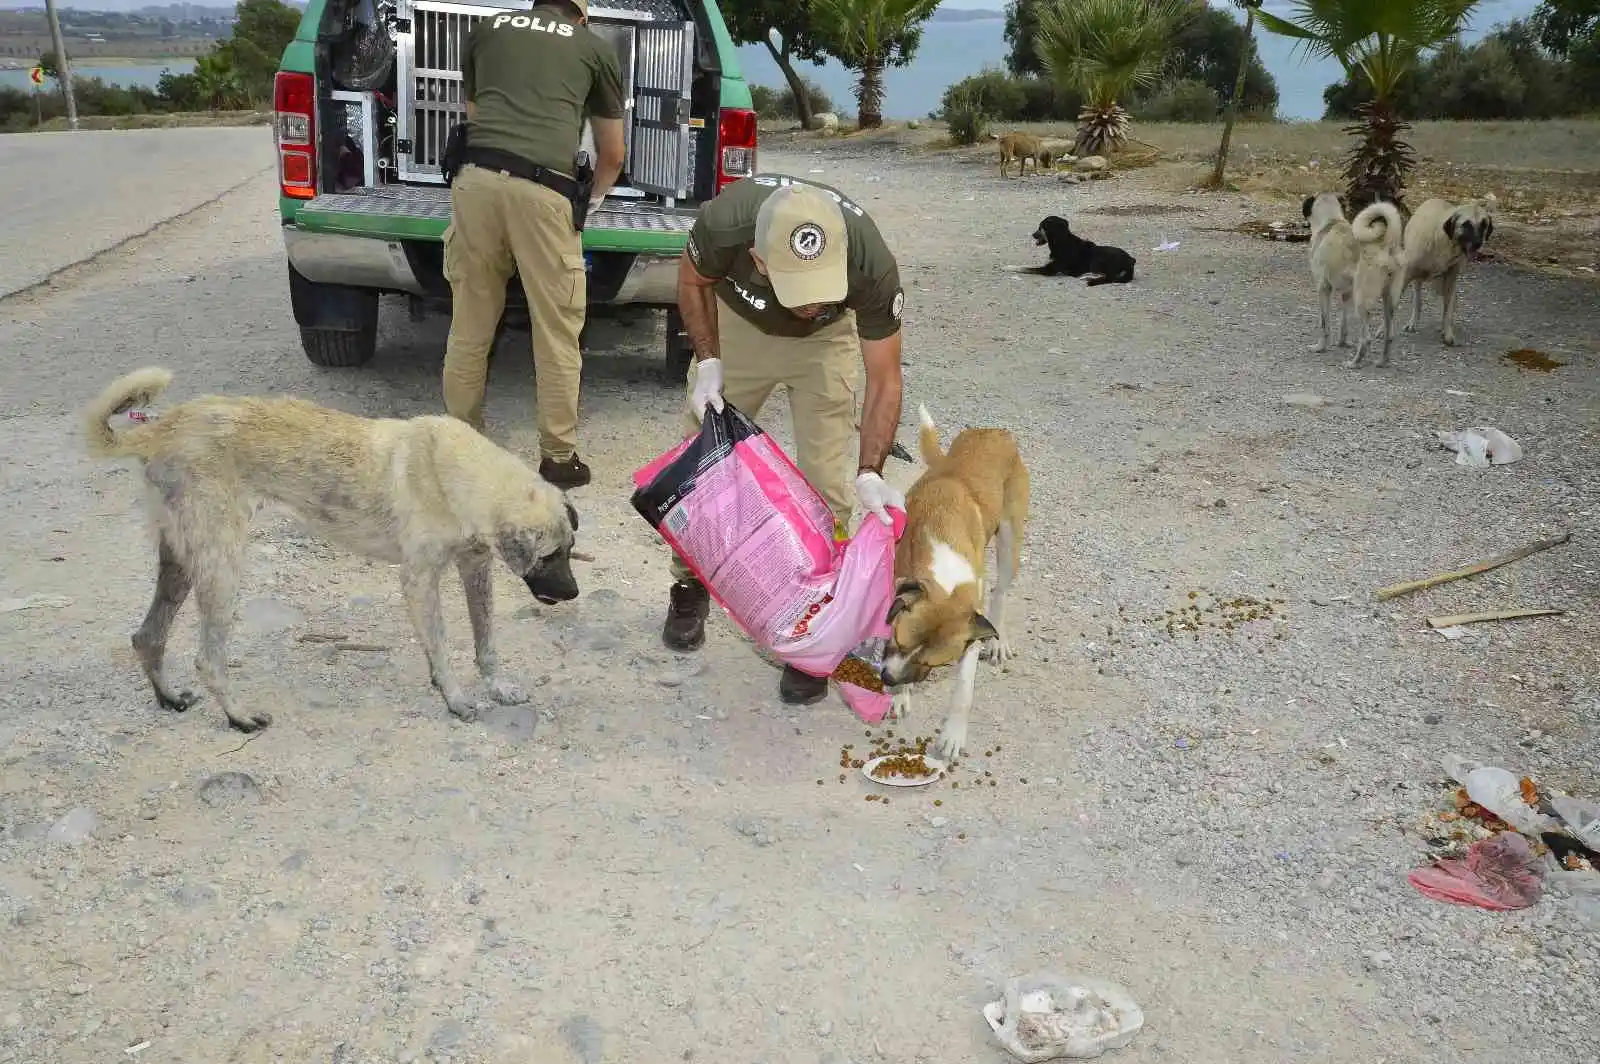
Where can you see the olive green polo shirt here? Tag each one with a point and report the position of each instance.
(724, 232)
(532, 75)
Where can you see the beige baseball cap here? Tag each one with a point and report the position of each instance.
(800, 235)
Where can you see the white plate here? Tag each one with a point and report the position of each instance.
(900, 781)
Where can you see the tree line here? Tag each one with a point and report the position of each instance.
(235, 74)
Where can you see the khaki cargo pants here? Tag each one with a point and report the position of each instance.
(821, 373)
(500, 224)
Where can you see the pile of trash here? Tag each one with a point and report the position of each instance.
(1506, 838)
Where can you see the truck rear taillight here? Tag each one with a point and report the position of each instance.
(736, 145)
(294, 129)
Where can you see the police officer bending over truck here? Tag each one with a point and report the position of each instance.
(518, 202)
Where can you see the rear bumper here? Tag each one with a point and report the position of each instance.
(361, 262)
(385, 265)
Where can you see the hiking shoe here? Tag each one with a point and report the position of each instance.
(571, 473)
(685, 628)
(801, 689)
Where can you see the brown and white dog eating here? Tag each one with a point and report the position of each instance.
(974, 494)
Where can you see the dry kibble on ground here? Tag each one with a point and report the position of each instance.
(393, 856)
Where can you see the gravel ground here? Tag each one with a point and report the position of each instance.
(1222, 821)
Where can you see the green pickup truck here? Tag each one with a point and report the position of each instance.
(364, 98)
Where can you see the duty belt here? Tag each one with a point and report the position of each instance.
(517, 166)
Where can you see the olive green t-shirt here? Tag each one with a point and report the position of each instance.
(533, 74)
(725, 230)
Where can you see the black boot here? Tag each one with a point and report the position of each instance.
(571, 473)
(685, 629)
(801, 689)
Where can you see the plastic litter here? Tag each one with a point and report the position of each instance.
(1582, 818)
(1051, 1017)
(1481, 447)
(1500, 792)
(1500, 874)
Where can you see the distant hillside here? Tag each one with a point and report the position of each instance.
(957, 14)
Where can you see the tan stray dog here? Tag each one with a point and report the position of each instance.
(1441, 238)
(422, 493)
(1019, 148)
(1361, 263)
(972, 495)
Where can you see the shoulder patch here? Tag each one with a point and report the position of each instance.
(898, 305)
(693, 248)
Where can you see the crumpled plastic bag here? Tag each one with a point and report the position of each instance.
(1582, 819)
(1500, 874)
(1500, 792)
(1049, 1017)
(1481, 446)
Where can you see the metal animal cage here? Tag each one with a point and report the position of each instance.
(654, 53)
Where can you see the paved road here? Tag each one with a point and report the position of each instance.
(69, 196)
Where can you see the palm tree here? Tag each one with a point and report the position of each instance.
(1383, 42)
(869, 36)
(1106, 49)
(1250, 8)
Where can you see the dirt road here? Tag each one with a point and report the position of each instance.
(656, 861)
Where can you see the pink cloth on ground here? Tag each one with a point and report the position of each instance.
(1500, 873)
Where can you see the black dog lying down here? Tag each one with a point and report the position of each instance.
(1074, 256)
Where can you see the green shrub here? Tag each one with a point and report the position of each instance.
(1045, 101)
(1185, 100)
(779, 103)
(92, 95)
(1015, 99)
(967, 115)
(1000, 94)
(1507, 74)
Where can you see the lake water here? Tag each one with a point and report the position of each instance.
(145, 74)
(949, 52)
(952, 51)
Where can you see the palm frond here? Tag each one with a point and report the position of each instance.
(1107, 48)
(1384, 38)
(856, 29)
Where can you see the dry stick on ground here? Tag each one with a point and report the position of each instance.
(1454, 619)
(1472, 570)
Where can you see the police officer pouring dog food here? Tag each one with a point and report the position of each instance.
(518, 202)
(786, 283)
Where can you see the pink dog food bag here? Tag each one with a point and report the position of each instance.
(746, 522)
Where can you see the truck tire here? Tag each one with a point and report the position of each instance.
(338, 323)
(337, 349)
(680, 352)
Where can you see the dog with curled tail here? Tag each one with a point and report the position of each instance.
(424, 493)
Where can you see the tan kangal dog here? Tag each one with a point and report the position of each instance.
(1019, 148)
(426, 494)
(974, 494)
(1441, 238)
(1360, 263)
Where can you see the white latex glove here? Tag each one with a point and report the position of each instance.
(707, 387)
(876, 495)
(594, 205)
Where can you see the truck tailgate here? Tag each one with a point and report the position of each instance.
(421, 213)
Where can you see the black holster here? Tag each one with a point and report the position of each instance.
(455, 150)
(584, 170)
